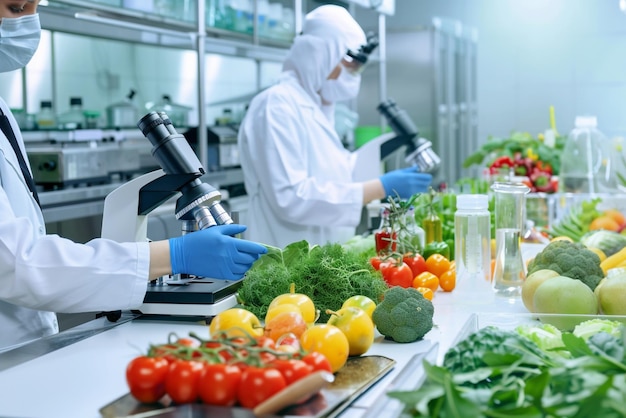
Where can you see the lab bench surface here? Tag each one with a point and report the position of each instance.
(78, 371)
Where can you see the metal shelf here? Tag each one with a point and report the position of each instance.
(95, 20)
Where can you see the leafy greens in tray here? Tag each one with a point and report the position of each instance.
(502, 373)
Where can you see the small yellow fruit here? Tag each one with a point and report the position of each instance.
(277, 310)
(599, 252)
(562, 238)
(357, 326)
(301, 300)
(360, 301)
(328, 340)
(236, 322)
(531, 283)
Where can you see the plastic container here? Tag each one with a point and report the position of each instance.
(472, 245)
(123, 114)
(178, 114)
(46, 118)
(74, 118)
(583, 159)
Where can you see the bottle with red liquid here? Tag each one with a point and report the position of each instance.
(385, 237)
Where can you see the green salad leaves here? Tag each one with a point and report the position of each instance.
(501, 373)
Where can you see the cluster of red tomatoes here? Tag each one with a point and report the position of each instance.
(412, 270)
(223, 371)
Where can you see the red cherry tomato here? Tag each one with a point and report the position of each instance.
(397, 274)
(146, 377)
(317, 361)
(258, 384)
(218, 384)
(182, 381)
(375, 262)
(416, 263)
(292, 369)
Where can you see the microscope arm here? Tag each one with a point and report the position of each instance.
(121, 221)
(370, 155)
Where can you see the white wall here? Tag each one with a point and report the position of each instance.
(537, 53)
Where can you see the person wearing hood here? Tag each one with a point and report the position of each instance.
(41, 274)
(297, 173)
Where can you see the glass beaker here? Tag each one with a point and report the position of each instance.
(510, 207)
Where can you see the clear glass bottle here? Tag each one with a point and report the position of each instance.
(411, 236)
(583, 163)
(385, 237)
(432, 225)
(510, 271)
(46, 119)
(74, 118)
(472, 244)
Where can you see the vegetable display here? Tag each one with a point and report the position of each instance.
(328, 274)
(569, 259)
(502, 373)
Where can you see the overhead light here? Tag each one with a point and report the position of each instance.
(622, 5)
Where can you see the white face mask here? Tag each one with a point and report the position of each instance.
(19, 39)
(345, 87)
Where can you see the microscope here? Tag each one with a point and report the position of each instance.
(419, 152)
(126, 210)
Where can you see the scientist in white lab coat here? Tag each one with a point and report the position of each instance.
(41, 274)
(297, 173)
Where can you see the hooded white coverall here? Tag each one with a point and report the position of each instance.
(297, 173)
(41, 274)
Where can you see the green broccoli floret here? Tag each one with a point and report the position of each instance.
(404, 315)
(569, 259)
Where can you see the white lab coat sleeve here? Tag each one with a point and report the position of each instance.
(55, 274)
(306, 188)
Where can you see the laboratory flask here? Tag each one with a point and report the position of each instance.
(510, 207)
(472, 245)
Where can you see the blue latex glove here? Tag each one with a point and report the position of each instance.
(405, 182)
(214, 252)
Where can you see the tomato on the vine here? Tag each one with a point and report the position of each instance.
(317, 361)
(183, 380)
(416, 263)
(376, 261)
(258, 384)
(292, 369)
(218, 384)
(397, 273)
(146, 377)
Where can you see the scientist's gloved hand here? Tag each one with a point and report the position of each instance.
(405, 182)
(214, 252)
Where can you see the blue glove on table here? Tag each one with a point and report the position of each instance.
(405, 182)
(214, 252)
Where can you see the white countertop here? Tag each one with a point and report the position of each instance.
(77, 380)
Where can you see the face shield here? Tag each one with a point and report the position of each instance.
(354, 61)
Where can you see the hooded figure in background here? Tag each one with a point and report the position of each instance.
(297, 173)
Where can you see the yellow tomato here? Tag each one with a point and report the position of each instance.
(426, 279)
(426, 292)
(278, 309)
(236, 322)
(328, 340)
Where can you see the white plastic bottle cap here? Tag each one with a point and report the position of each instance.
(472, 201)
(586, 122)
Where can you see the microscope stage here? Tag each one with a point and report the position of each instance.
(196, 297)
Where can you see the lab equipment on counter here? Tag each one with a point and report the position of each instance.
(123, 114)
(74, 118)
(46, 118)
(419, 151)
(177, 113)
(472, 244)
(510, 270)
(198, 207)
(585, 160)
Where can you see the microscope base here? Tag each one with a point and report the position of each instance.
(199, 298)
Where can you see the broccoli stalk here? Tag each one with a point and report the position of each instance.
(404, 315)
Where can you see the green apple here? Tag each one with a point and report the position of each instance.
(360, 301)
(356, 325)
